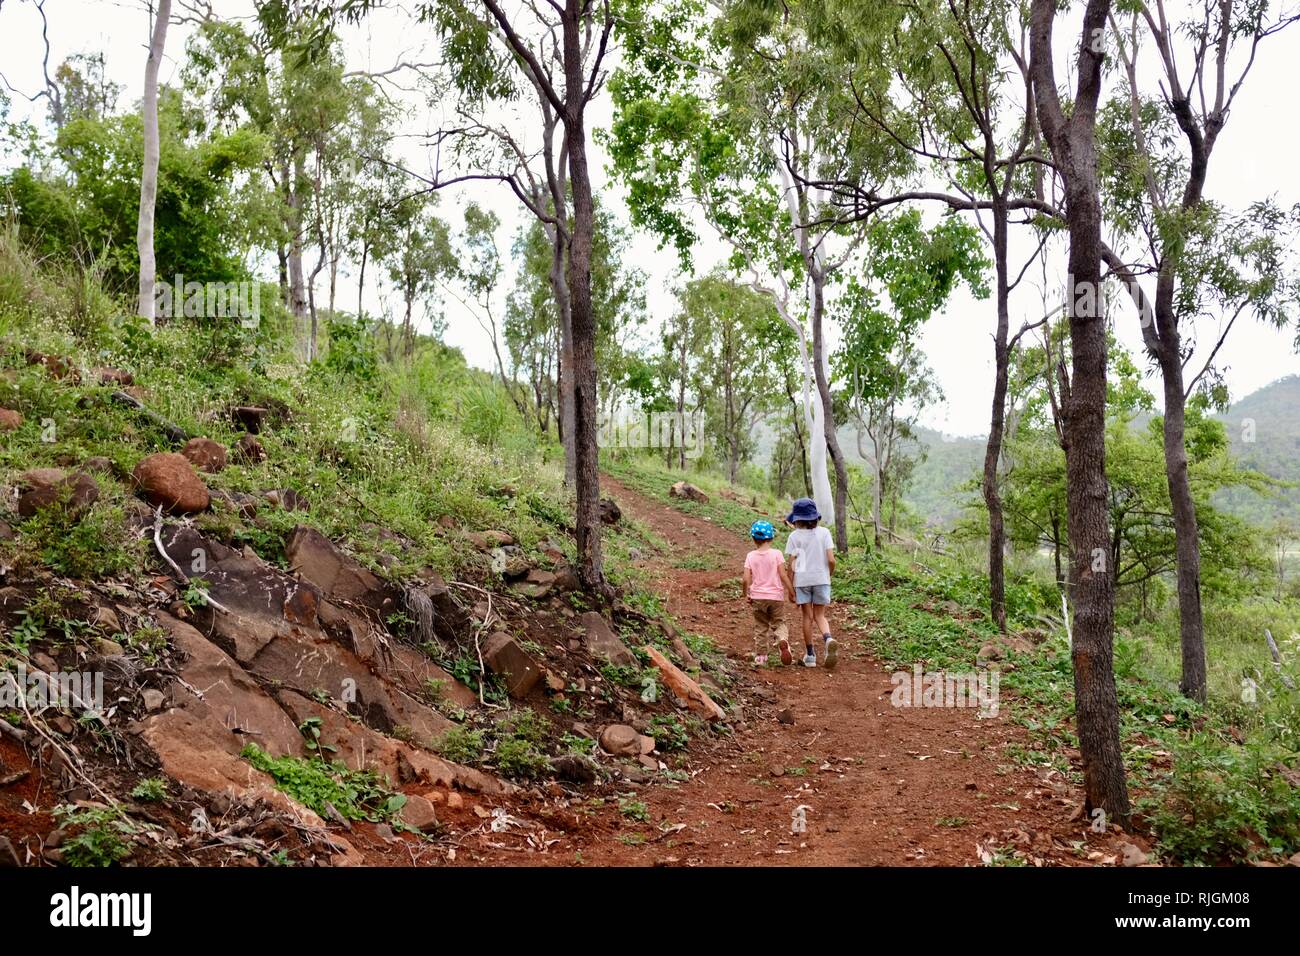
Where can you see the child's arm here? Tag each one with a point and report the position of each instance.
(830, 559)
(787, 581)
(748, 578)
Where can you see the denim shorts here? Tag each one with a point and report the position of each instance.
(817, 594)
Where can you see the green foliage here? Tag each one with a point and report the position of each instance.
(461, 745)
(99, 836)
(151, 790)
(355, 794)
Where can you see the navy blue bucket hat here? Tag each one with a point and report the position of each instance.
(804, 509)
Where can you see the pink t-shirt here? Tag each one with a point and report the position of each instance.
(765, 575)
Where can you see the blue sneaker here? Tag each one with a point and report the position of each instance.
(810, 660)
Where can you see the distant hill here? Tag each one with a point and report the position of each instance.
(1264, 428)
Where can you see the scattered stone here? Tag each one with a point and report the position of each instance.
(971, 785)
(610, 512)
(684, 687)
(6, 531)
(169, 480)
(205, 454)
(647, 744)
(576, 768)
(785, 716)
(455, 801)
(555, 683)
(107, 648)
(249, 417)
(687, 491)
(620, 740)
(8, 856)
(539, 577)
(100, 464)
(684, 654)
(990, 652)
(765, 694)
(10, 419)
(42, 487)
(418, 812)
(242, 503)
(498, 539)
(1132, 855)
(602, 641)
(248, 450)
(105, 618)
(648, 762)
(286, 498)
(634, 554)
(153, 699)
(112, 376)
(503, 655)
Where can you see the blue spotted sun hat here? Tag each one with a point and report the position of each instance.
(762, 531)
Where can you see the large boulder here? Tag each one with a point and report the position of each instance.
(688, 492)
(168, 480)
(205, 454)
(683, 687)
(601, 641)
(41, 487)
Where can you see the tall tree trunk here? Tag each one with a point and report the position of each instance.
(1074, 149)
(564, 313)
(586, 453)
(297, 285)
(1187, 542)
(149, 170)
(841, 509)
(997, 421)
(361, 277)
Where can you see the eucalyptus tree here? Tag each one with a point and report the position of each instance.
(149, 168)
(1071, 137)
(1202, 258)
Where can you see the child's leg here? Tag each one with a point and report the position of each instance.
(821, 619)
(806, 620)
(760, 627)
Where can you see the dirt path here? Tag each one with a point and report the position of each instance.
(880, 785)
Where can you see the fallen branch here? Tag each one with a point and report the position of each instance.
(174, 432)
(157, 540)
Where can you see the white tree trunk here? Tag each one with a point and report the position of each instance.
(149, 170)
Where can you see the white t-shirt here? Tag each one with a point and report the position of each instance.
(808, 547)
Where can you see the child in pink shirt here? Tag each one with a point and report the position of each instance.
(767, 586)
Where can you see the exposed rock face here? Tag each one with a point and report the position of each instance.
(169, 480)
(603, 642)
(339, 577)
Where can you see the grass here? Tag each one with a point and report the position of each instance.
(354, 794)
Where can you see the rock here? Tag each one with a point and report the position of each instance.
(10, 420)
(153, 699)
(248, 450)
(539, 577)
(687, 491)
(230, 694)
(243, 504)
(105, 618)
(610, 512)
(576, 768)
(510, 562)
(1133, 856)
(1293, 860)
(339, 577)
(620, 740)
(169, 480)
(112, 376)
(648, 762)
(286, 498)
(534, 591)
(106, 648)
(205, 454)
(498, 539)
(418, 812)
(41, 487)
(555, 683)
(249, 417)
(7, 532)
(684, 654)
(57, 366)
(8, 856)
(602, 642)
(503, 655)
(100, 464)
(647, 744)
(990, 652)
(971, 785)
(566, 579)
(785, 716)
(685, 688)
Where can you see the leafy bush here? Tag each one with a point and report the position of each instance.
(461, 745)
(355, 794)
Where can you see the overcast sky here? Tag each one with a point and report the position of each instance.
(1255, 159)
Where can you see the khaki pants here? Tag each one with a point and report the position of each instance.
(769, 624)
